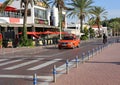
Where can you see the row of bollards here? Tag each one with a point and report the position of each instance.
(84, 57)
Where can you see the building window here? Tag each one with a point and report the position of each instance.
(28, 12)
(40, 14)
(10, 14)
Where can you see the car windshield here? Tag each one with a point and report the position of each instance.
(68, 38)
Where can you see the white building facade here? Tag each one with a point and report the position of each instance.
(39, 18)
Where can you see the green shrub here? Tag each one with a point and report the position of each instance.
(83, 37)
(27, 42)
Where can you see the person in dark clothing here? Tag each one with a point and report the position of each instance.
(16, 41)
(104, 38)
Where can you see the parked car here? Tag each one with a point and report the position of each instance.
(69, 41)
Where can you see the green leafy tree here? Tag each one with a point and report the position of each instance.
(91, 22)
(86, 34)
(79, 8)
(92, 32)
(86, 31)
(98, 13)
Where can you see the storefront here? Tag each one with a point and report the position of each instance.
(38, 20)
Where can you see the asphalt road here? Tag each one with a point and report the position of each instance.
(18, 65)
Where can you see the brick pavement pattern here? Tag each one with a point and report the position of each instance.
(102, 69)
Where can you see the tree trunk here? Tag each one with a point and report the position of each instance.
(81, 25)
(99, 30)
(24, 31)
(60, 21)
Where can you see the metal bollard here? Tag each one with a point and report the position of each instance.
(93, 50)
(88, 55)
(67, 66)
(96, 50)
(83, 55)
(76, 60)
(100, 48)
(54, 73)
(35, 79)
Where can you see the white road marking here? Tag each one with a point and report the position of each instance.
(62, 67)
(48, 78)
(3, 60)
(44, 64)
(9, 62)
(22, 64)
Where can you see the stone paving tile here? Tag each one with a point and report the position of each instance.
(102, 69)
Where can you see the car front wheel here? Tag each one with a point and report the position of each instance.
(78, 46)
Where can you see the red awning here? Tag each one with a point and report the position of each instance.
(48, 32)
(9, 8)
(61, 32)
(51, 32)
(32, 33)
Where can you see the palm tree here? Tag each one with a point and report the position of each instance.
(98, 13)
(91, 22)
(60, 4)
(115, 27)
(80, 8)
(23, 3)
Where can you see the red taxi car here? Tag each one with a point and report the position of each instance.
(69, 41)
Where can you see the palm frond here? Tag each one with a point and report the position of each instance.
(3, 6)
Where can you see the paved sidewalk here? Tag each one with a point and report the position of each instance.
(102, 69)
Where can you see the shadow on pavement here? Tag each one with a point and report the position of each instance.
(117, 63)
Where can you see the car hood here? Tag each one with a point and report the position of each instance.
(66, 41)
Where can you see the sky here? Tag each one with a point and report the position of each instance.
(111, 6)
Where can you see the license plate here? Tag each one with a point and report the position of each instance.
(63, 44)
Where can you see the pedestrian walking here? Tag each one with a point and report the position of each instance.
(104, 38)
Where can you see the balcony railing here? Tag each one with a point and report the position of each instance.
(10, 14)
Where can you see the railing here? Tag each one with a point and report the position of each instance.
(10, 14)
(78, 59)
